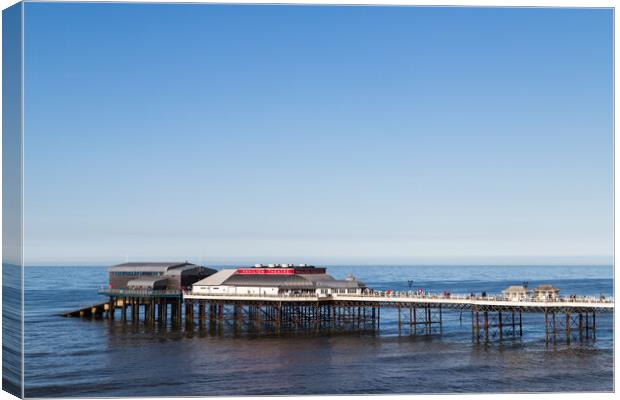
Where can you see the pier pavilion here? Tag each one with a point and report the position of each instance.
(277, 279)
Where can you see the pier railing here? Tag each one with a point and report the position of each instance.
(139, 292)
(410, 295)
(488, 297)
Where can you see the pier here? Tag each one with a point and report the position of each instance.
(283, 298)
(489, 317)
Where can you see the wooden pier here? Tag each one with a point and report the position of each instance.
(490, 316)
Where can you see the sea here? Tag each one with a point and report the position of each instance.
(67, 357)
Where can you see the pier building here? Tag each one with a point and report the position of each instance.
(277, 280)
(516, 293)
(546, 292)
(151, 289)
(156, 275)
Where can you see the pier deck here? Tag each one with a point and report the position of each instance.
(452, 301)
(491, 315)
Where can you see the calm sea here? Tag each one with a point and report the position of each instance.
(72, 357)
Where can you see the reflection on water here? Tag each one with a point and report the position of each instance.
(72, 357)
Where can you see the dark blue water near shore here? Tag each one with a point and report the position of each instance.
(73, 357)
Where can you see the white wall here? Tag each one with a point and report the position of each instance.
(223, 289)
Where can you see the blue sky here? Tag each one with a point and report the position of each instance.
(317, 134)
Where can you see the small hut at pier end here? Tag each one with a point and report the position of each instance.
(546, 292)
(516, 293)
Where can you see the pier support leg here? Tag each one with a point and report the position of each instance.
(111, 308)
(201, 313)
(477, 326)
(486, 325)
(440, 320)
(399, 320)
(124, 310)
(500, 325)
(567, 327)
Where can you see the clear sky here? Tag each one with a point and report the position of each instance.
(317, 134)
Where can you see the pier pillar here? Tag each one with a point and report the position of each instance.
(500, 325)
(398, 319)
(124, 310)
(580, 325)
(554, 326)
(477, 326)
(111, 308)
(520, 325)
(147, 310)
(568, 327)
(201, 313)
(440, 320)
(486, 325)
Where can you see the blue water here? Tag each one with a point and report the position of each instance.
(72, 357)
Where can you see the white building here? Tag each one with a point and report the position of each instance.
(273, 280)
(516, 293)
(546, 292)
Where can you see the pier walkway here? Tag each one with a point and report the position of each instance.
(490, 315)
(405, 298)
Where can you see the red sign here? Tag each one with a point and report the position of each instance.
(279, 271)
(266, 271)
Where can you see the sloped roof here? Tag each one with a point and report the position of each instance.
(198, 270)
(515, 289)
(149, 266)
(546, 288)
(217, 278)
(289, 281)
(302, 281)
